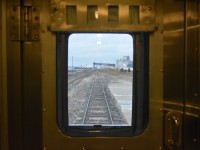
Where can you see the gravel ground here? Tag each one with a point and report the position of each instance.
(120, 85)
(78, 94)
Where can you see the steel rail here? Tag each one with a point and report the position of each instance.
(88, 102)
(86, 113)
(70, 83)
(107, 104)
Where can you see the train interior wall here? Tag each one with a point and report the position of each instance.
(3, 78)
(181, 66)
(26, 72)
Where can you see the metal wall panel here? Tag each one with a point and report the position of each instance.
(14, 78)
(192, 98)
(173, 67)
(174, 53)
(1, 84)
(181, 68)
(24, 90)
(59, 15)
(14, 96)
(3, 80)
(53, 138)
(32, 96)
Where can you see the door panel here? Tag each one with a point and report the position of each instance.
(181, 71)
(23, 78)
(173, 76)
(53, 138)
(32, 95)
(14, 96)
(1, 84)
(192, 100)
(3, 79)
(174, 63)
(14, 81)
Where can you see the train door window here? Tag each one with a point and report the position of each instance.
(97, 84)
(100, 72)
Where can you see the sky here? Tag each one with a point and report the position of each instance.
(86, 48)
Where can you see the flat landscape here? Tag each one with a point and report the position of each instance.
(99, 97)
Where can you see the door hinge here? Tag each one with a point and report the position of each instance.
(24, 22)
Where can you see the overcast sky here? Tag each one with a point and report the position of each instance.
(101, 48)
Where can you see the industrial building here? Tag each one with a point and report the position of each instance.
(124, 63)
(103, 65)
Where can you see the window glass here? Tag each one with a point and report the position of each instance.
(100, 79)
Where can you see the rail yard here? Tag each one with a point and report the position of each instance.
(92, 101)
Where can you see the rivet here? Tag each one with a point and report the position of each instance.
(44, 110)
(161, 70)
(36, 37)
(161, 109)
(44, 148)
(195, 94)
(195, 140)
(13, 37)
(149, 8)
(122, 147)
(160, 148)
(83, 148)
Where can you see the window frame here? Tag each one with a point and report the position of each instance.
(138, 125)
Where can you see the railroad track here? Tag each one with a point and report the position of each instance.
(78, 78)
(98, 106)
(97, 110)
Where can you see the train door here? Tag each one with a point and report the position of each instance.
(75, 20)
(0, 74)
(3, 89)
(173, 74)
(192, 77)
(38, 39)
(24, 78)
(35, 39)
